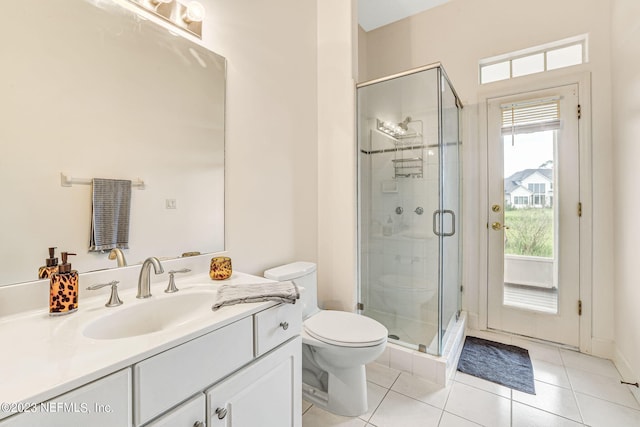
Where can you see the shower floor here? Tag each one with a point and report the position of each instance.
(409, 332)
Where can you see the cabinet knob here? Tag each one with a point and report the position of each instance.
(284, 325)
(222, 412)
(198, 424)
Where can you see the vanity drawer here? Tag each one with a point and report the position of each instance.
(103, 403)
(275, 325)
(169, 378)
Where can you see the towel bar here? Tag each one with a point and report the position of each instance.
(68, 181)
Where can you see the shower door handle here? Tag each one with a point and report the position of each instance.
(435, 223)
(436, 231)
(453, 222)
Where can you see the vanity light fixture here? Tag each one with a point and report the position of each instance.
(195, 13)
(187, 17)
(157, 3)
(390, 128)
(396, 130)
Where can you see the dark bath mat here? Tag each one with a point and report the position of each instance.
(503, 364)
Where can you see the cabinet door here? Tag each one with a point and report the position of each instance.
(267, 393)
(102, 403)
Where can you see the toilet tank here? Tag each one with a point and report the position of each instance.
(304, 275)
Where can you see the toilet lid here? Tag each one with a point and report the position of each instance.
(346, 329)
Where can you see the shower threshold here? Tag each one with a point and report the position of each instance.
(437, 369)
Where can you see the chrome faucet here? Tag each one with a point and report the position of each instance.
(144, 281)
(117, 254)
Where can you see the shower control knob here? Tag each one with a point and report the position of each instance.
(419, 210)
(399, 210)
(284, 325)
(221, 412)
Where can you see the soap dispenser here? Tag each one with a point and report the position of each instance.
(51, 267)
(63, 289)
(387, 229)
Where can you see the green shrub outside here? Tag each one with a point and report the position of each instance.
(530, 232)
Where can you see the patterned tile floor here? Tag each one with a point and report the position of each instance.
(572, 389)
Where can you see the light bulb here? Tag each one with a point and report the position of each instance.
(195, 12)
(154, 5)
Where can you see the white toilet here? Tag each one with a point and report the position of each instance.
(335, 346)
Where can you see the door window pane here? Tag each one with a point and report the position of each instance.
(529, 245)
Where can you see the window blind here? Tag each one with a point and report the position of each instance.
(531, 116)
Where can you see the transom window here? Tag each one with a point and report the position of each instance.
(537, 59)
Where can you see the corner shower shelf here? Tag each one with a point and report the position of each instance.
(411, 167)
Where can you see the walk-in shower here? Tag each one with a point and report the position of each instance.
(409, 206)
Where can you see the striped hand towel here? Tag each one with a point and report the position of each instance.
(110, 214)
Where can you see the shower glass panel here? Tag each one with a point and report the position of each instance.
(450, 196)
(409, 203)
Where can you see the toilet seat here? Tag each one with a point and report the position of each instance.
(345, 329)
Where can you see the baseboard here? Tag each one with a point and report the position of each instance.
(603, 348)
(627, 373)
(473, 321)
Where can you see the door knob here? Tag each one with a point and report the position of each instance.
(497, 226)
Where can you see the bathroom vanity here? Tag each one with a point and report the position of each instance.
(184, 365)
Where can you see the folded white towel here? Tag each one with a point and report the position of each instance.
(228, 294)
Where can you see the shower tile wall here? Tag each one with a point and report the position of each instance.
(401, 269)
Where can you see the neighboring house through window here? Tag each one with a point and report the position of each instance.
(530, 188)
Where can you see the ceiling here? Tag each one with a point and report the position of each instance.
(377, 13)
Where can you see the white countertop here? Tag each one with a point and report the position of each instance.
(43, 356)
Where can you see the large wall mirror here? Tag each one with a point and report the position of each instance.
(92, 90)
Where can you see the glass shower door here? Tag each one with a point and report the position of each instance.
(447, 218)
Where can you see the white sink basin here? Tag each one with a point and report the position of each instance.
(152, 315)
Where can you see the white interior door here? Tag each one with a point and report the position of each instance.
(533, 228)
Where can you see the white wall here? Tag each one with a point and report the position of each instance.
(460, 33)
(337, 64)
(271, 128)
(625, 70)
